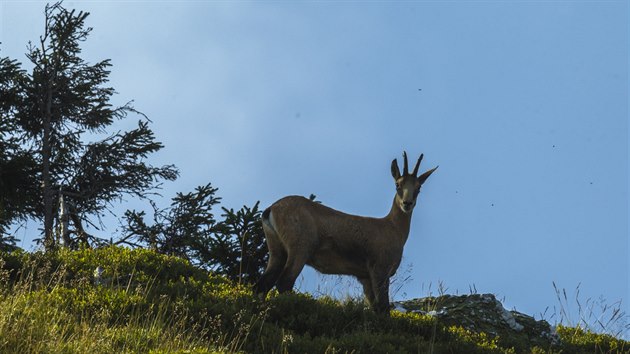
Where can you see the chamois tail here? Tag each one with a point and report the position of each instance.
(267, 219)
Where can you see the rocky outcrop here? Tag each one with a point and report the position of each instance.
(484, 313)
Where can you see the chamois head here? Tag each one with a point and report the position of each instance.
(408, 184)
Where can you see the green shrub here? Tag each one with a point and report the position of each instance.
(148, 302)
(577, 340)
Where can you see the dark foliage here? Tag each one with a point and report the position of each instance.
(238, 249)
(234, 247)
(48, 117)
(17, 166)
(177, 228)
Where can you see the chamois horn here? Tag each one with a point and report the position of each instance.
(415, 169)
(405, 164)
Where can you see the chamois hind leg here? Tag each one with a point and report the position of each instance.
(299, 250)
(292, 269)
(277, 260)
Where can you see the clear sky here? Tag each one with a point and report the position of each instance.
(524, 105)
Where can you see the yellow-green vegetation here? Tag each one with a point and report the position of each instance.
(121, 300)
(577, 340)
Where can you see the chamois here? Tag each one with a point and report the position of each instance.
(299, 231)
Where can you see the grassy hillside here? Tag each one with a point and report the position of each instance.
(120, 300)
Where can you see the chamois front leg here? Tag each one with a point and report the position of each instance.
(380, 286)
(368, 290)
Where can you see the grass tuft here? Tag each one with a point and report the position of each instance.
(119, 300)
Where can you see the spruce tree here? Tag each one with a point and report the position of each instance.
(62, 104)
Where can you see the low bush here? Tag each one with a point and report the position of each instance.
(115, 299)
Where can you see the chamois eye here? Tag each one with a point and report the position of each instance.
(397, 185)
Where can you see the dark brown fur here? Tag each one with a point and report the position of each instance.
(300, 232)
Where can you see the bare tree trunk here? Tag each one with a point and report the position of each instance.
(83, 238)
(64, 221)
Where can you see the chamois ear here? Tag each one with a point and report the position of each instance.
(395, 170)
(423, 177)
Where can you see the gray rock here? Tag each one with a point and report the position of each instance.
(484, 313)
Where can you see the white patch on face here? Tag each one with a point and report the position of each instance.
(401, 203)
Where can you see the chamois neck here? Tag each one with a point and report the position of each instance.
(400, 220)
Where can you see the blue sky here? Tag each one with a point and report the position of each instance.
(524, 105)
